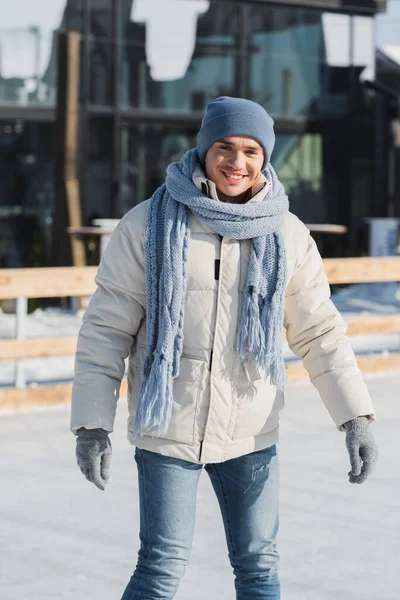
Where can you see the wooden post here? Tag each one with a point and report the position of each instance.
(68, 204)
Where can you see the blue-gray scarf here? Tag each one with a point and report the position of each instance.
(166, 245)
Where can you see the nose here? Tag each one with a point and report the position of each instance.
(236, 160)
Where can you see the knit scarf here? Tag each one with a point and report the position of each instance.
(166, 243)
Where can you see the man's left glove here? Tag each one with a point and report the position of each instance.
(362, 449)
(93, 454)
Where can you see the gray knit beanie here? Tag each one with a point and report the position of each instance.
(236, 116)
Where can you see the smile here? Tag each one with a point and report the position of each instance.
(233, 178)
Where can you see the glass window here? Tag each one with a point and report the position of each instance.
(101, 71)
(317, 171)
(26, 193)
(99, 194)
(285, 53)
(297, 160)
(101, 18)
(146, 152)
(27, 49)
(299, 60)
(349, 41)
(101, 47)
(180, 63)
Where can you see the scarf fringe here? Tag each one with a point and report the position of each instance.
(278, 371)
(260, 342)
(256, 335)
(244, 328)
(155, 400)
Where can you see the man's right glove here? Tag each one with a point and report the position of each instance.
(93, 453)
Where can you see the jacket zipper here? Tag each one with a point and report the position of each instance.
(201, 449)
(216, 326)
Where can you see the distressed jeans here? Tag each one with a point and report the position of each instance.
(247, 492)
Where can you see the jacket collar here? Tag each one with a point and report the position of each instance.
(209, 188)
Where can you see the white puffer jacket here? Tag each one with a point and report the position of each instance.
(222, 409)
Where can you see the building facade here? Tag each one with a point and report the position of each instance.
(147, 70)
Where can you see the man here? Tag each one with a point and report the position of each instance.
(195, 287)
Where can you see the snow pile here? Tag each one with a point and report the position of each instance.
(369, 298)
(50, 322)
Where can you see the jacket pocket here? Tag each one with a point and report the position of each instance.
(185, 395)
(258, 402)
(249, 371)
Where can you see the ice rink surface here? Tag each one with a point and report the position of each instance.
(61, 538)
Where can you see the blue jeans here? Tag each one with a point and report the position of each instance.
(247, 491)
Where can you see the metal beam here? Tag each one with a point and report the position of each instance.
(369, 7)
(290, 125)
(38, 114)
(116, 81)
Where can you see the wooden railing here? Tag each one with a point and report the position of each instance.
(21, 284)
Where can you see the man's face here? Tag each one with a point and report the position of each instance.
(234, 165)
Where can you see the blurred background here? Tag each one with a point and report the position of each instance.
(97, 97)
(114, 113)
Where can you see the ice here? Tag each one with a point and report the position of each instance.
(63, 538)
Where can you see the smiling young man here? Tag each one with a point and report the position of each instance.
(195, 287)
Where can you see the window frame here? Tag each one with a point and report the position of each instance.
(356, 7)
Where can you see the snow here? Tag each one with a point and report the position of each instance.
(63, 538)
(41, 323)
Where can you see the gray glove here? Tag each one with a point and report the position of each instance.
(93, 453)
(362, 449)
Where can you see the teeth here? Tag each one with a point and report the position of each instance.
(231, 176)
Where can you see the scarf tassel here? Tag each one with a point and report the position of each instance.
(256, 336)
(155, 400)
(278, 371)
(260, 341)
(244, 326)
(273, 362)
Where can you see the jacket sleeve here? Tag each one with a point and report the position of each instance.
(109, 325)
(316, 334)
